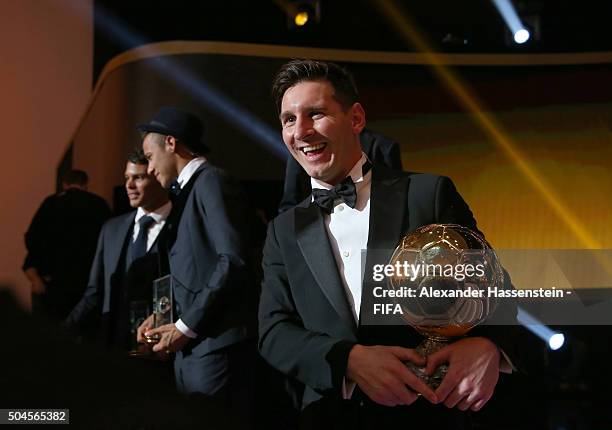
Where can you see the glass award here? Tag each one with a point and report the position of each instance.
(162, 304)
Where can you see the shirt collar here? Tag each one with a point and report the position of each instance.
(355, 174)
(189, 169)
(160, 214)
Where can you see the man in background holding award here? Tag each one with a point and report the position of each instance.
(127, 259)
(314, 298)
(206, 246)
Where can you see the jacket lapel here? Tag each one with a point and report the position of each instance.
(178, 206)
(388, 208)
(388, 220)
(120, 239)
(313, 242)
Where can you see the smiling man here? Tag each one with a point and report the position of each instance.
(206, 247)
(315, 301)
(126, 259)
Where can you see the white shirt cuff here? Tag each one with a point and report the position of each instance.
(182, 327)
(347, 388)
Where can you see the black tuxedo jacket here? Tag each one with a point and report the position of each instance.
(206, 246)
(109, 275)
(306, 326)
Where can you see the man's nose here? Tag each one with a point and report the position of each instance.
(303, 128)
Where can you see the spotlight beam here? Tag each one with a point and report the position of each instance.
(209, 96)
(554, 339)
(508, 13)
(399, 19)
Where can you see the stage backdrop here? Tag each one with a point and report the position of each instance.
(526, 138)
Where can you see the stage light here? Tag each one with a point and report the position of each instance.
(301, 18)
(556, 341)
(518, 26)
(521, 36)
(301, 14)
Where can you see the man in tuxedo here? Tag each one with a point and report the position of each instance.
(61, 243)
(206, 248)
(378, 148)
(315, 305)
(127, 259)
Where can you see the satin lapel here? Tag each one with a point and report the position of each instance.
(313, 242)
(119, 239)
(388, 208)
(388, 218)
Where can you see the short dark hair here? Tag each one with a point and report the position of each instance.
(137, 156)
(75, 177)
(296, 71)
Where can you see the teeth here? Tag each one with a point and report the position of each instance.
(311, 148)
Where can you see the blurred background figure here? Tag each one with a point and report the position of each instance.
(61, 242)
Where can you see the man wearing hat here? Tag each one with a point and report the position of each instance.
(206, 246)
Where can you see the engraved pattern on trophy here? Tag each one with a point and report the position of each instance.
(450, 269)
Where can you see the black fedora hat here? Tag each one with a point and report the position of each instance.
(185, 126)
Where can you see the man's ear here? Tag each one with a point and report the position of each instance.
(170, 142)
(358, 118)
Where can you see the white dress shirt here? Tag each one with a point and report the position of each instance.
(159, 216)
(347, 229)
(189, 169)
(184, 176)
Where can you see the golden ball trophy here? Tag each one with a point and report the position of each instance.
(449, 268)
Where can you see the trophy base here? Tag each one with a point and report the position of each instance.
(426, 348)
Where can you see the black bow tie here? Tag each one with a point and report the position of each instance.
(344, 191)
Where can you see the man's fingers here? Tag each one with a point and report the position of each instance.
(405, 354)
(436, 359)
(153, 331)
(417, 384)
(158, 347)
(391, 392)
(163, 345)
(403, 395)
(467, 402)
(479, 404)
(454, 398)
(446, 386)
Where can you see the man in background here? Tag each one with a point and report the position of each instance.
(127, 259)
(61, 242)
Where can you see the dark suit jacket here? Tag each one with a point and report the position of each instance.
(378, 148)
(306, 326)
(109, 276)
(207, 256)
